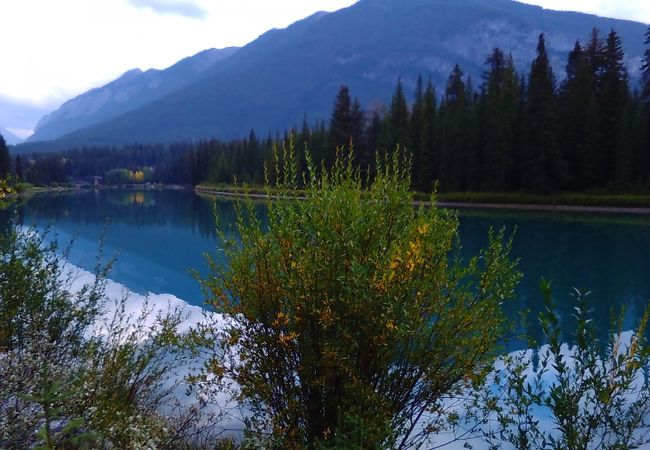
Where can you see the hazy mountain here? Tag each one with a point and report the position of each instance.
(10, 138)
(132, 90)
(286, 75)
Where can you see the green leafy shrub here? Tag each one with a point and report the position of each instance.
(591, 395)
(74, 374)
(349, 319)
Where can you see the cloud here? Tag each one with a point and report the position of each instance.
(187, 8)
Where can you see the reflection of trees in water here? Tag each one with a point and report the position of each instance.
(611, 260)
(610, 257)
(133, 208)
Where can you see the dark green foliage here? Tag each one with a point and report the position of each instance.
(457, 157)
(596, 393)
(425, 140)
(271, 83)
(514, 133)
(500, 94)
(541, 168)
(396, 122)
(645, 69)
(614, 109)
(73, 375)
(5, 159)
(579, 133)
(346, 123)
(350, 317)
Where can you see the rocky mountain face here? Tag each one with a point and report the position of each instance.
(129, 92)
(287, 75)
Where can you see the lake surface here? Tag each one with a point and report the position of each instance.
(159, 237)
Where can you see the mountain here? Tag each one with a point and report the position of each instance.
(10, 138)
(286, 75)
(129, 92)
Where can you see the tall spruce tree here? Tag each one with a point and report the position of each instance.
(645, 69)
(643, 117)
(542, 169)
(415, 130)
(454, 156)
(500, 100)
(396, 123)
(427, 170)
(5, 159)
(615, 114)
(578, 132)
(346, 123)
(341, 119)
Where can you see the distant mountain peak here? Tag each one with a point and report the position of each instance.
(133, 89)
(275, 81)
(9, 137)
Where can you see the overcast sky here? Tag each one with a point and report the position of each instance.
(54, 50)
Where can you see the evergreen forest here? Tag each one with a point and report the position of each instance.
(533, 131)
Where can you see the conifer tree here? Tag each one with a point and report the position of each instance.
(614, 108)
(542, 169)
(396, 125)
(346, 122)
(427, 170)
(5, 159)
(579, 133)
(415, 131)
(645, 69)
(341, 120)
(453, 113)
(500, 96)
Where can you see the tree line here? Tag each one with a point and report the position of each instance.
(514, 132)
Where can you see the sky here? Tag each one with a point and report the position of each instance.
(54, 50)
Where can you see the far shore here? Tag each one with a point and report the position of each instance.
(599, 209)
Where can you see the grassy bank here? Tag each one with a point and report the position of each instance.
(567, 199)
(498, 199)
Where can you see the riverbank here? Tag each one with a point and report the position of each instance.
(578, 203)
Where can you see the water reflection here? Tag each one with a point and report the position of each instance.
(159, 236)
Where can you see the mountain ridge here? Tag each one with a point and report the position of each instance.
(9, 137)
(132, 89)
(285, 75)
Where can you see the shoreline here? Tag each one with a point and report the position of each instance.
(640, 211)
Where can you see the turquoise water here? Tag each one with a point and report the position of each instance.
(159, 237)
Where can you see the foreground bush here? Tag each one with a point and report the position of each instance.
(588, 395)
(350, 318)
(74, 375)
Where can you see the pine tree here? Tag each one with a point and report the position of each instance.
(340, 121)
(5, 159)
(645, 69)
(427, 170)
(396, 123)
(579, 133)
(542, 169)
(614, 108)
(453, 126)
(346, 122)
(500, 100)
(644, 113)
(415, 132)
